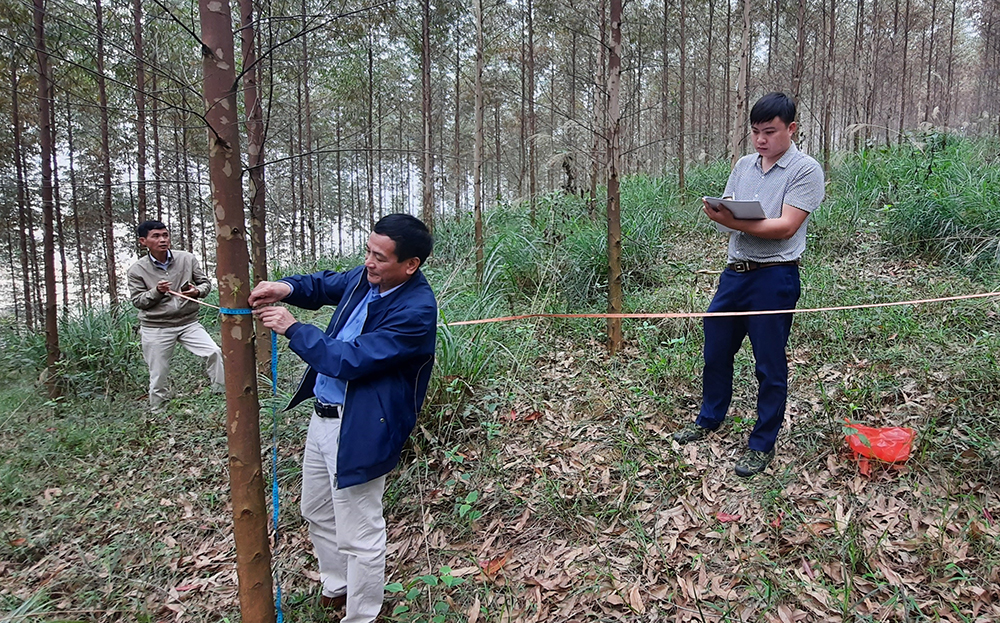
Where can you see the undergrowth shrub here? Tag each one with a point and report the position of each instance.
(101, 352)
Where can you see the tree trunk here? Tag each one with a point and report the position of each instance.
(457, 127)
(45, 138)
(904, 82)
(600, 109)
(930, 61)
(828, 88)
(22, 207)
(63, 273)
(140, 107)
(255, 165)
(109, 217)
(340, 194)
(949, 88)
(477, 159)
(253, 556)
(800, 52)
(530, 97)
(74, 206)
(681, 92)
(310, 214)
(157, 164)
(614, 196)
(739, 126)
(665, 86)
(370, 132)
(426, 113)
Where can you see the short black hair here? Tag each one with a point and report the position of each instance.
(411, 236)
(773, 105)
(147, 226)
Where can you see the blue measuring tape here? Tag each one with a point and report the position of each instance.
(275, 503)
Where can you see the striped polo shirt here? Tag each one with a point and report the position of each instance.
(797, 180)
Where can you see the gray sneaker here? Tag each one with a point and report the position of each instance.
(753, 462)
(691, 432)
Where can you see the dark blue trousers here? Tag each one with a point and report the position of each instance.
(775, 287)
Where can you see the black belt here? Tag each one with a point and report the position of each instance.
(745, 266)
(328, 411)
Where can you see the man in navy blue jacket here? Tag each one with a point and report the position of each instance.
(368, 373)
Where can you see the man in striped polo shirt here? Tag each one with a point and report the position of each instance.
(762, 274)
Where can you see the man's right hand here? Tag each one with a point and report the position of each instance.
(267, 292)
(163, 286)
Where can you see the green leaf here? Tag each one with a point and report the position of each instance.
(441, 607)
(463, 509)
(400, 610)
(395, 587)
(451, 581)
(445, 570)
(430, 580)
(438, 618)
(472, 497)
(413, 593)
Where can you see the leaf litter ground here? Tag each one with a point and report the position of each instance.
(557, 495)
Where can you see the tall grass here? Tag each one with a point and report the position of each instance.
(936, 196)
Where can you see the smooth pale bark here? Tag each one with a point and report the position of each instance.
(45, 139)
(253, 555)
(477, 158)
(681, 93)
(426, 113)
(800, 52)
(22, 207)
(600, 109)
(57, 204)
(109, 217)
(140, 108)
(614, 326)
(739, 127)
(827, 88)
(665, 84)
(370, 133)
(457, 126)
(530, 101)
(255, 165)
(157, 163)
(310, 189)
(74, 206)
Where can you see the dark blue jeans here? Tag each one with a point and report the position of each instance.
(775, 287)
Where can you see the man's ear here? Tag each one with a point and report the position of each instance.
(412, 265)
(792, 127)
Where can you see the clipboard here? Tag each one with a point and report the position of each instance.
(743, 210)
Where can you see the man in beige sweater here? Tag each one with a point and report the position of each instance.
(165, 319)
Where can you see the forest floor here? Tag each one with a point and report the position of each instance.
(552, 492)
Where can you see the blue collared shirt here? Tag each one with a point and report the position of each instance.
(331, 390)
(162, 265)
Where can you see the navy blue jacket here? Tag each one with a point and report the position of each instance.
(386, 368)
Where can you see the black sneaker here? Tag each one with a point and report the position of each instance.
(753, 462)
(691, 432)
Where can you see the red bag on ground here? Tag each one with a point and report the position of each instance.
(889, 444)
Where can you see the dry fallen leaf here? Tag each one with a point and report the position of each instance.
(727, 518)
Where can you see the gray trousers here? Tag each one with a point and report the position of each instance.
(346, 526)
(158, 349)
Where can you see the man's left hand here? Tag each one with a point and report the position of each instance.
(720, 214)
(190, 290)
(276, 318)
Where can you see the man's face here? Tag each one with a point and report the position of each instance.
(772, 138)
(157, 241)
(384, 268)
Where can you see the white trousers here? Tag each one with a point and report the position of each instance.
(158, 349)
(345, 525)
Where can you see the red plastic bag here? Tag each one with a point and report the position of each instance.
(889, 444)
